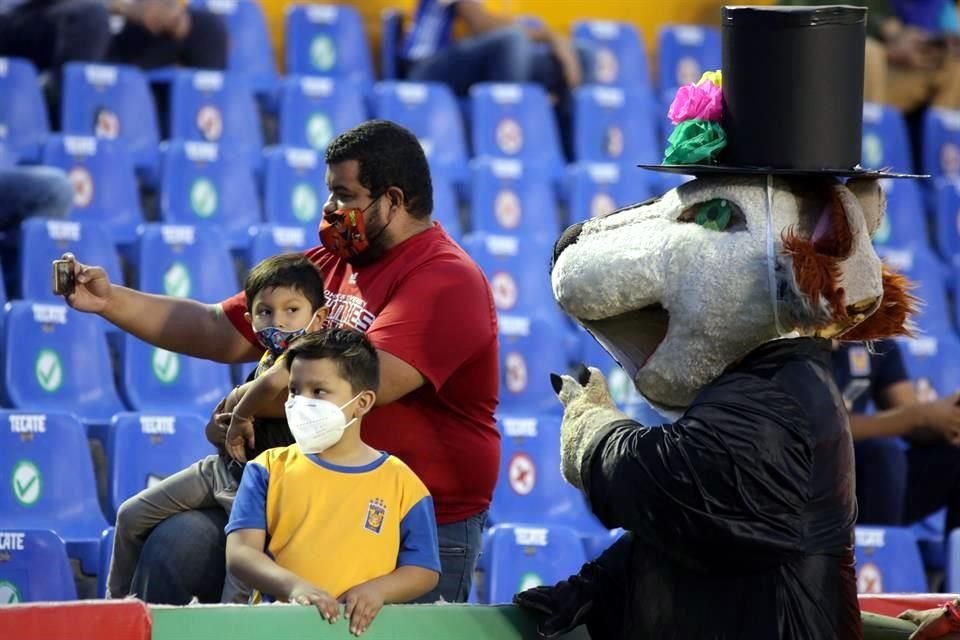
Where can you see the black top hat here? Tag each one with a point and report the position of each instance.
(792, 83)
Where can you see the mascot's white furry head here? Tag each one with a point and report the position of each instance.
(679, 288)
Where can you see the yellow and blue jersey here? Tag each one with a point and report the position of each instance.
(335, 526)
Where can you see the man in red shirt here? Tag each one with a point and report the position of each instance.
(393, 273)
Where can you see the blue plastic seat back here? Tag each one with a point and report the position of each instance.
(685, 52)
(885, 139)
(207, 186)
(930, 277)
(34, 567)
(599, 188)
(515, 121)
(23, 115)
(518, 271)
(952, 578)
(218, 107)
(157, 380)
(104, 182)
(905, 223)
(621, 58)
(529, 353)
(615, 125)
(51, 482)
(251, 52)
(510, 198)
(327, 40)
(295, 187)
(147, 448)
(947, 220)
(270, 240)
(185, 262)
(112, 102)
(314, 110)
(941, 142)
(446, 205)
(43, 241)
(56, 359)
(518, 557)
(888, 561)
(431, 112)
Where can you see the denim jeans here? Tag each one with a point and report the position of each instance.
(459, 549)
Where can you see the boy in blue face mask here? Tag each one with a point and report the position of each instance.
(330, 519)
(285, 295)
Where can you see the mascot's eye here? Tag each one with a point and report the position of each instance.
(718, 214)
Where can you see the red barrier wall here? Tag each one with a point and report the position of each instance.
(91, 620)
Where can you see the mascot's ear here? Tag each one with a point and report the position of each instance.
(872, 200)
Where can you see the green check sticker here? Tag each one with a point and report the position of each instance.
(176, 281)
(304, 201)
(27, 483)
(203, 197)
(319, 131)
(529, 581)
(166, 365)
(323, 53)
(49, 370)
(9, 594)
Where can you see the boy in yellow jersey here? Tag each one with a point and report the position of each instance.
(330, 519)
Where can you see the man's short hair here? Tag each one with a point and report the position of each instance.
(389, 156)
(355, 357)
(291, 270)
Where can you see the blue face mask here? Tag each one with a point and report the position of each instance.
(277, 340)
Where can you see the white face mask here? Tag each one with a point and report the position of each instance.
(316, 425)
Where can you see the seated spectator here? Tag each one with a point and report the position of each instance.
(907, 453)
(286, 296)
(50, 33)
(330, 518)
(161, 33)
(498, 49)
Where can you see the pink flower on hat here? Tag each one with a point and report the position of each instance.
(701, 101)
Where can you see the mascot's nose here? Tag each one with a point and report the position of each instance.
(568, 238)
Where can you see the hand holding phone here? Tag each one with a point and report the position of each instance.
(64, 279)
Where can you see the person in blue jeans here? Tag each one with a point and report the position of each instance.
(498, 49)
(907, 451)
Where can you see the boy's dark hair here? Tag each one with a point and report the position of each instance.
(286, 270)
(389, 156)
(356, 358)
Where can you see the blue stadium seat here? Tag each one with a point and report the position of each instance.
(23, 115)
(42, 241)
(327, 40)
(515, 121)
(529, 353)
(250, 52)
(34, 567)
(106, 556)
(941, 142)
(104, 182)
(185, 262)
(391, 39)
(598, 188)
(885, 139)
(517, 557)
(519, 272)
(615, 125)
(56, 359)
(156, 380)
(510, 197)
(295, 188)
(269, 240)
(531, 488)
(888, 561)
(52, 486)
(684, 53)
(947, 220)
(621, 59)
(446, 207)
(207, 186)
(952, 579)
(431, 112)
(212, 106)
(313, 111)
(930, 277)
(113, 102)
(905, 224)
(8, 157)
(930, 538)
(146, 448)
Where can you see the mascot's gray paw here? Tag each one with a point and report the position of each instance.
(587, 408)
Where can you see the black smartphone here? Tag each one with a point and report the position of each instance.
(64, 281)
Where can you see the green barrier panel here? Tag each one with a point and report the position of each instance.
(437, 622)
(267, 622)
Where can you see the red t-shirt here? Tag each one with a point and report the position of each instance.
(426, 302)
